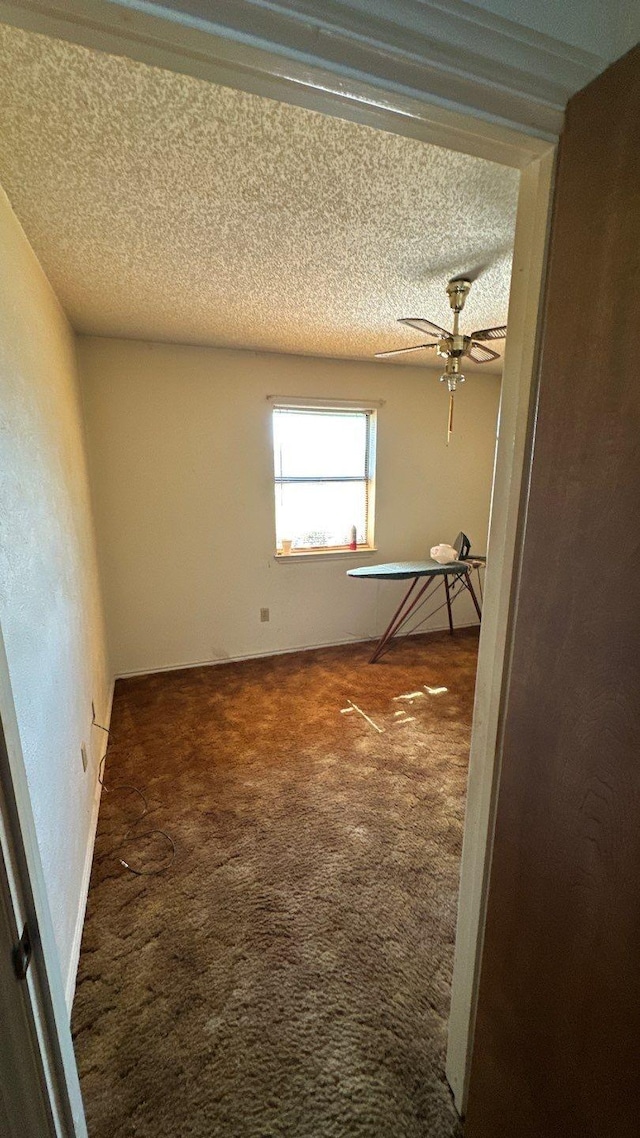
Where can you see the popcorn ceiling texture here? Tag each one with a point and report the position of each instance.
(163, 207)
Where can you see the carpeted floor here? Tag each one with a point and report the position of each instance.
(289, 976)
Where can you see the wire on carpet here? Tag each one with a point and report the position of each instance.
(133, 832)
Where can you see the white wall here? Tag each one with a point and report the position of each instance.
(181, 466)
(50, 606)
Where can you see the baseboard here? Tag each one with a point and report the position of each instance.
(155, 670)
(74, 960)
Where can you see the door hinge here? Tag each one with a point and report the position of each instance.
(22, 954)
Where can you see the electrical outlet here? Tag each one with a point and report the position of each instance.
(264, 615)
(85, 756)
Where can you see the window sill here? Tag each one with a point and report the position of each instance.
(324, 554)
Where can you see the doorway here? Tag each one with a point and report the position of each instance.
(522, 318)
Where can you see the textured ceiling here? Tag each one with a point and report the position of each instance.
(163, 207)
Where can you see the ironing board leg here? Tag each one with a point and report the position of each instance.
(399, 616)
(467, 581)
(446, 589)
(386, 635)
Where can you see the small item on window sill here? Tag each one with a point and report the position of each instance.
(286, 545)
(353, 544)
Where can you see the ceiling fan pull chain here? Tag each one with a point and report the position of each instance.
(450, 421)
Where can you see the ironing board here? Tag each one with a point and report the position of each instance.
(414, 571)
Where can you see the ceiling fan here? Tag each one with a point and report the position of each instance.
(452, 346)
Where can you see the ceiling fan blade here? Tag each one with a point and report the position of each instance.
(424, 326)
(397, 351)
(480, 354)
(490, 333)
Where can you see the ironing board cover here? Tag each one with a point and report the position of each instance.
(403, 570)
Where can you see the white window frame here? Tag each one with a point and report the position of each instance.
(366, 407)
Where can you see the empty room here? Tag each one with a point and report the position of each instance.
(252, 391)
(234, 426)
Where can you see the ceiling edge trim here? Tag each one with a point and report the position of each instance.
(458, 34)
(378, 84)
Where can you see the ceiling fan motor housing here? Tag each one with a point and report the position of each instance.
(453, 347)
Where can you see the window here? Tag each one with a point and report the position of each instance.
(324, 466)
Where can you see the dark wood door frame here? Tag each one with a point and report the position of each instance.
(44, 1099)
(558, 1025)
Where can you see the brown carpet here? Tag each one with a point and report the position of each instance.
(289, 976)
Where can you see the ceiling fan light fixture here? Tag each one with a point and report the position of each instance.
(452, 375)
(451, 381)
